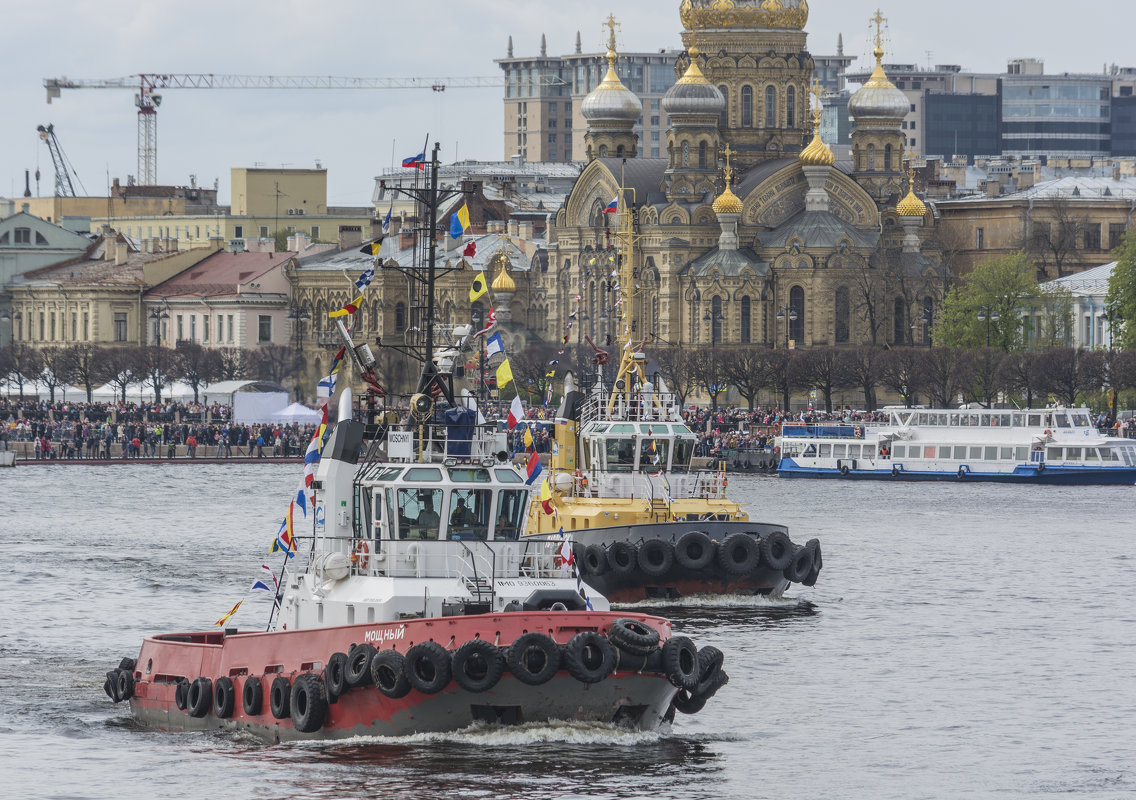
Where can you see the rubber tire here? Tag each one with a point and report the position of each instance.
(844, 470)
(695, 550)
(125, 684)
(633, 636)
(335, 676)
(709, 663)
(595, 560)
(487, 662)
(107, 689)
(224, 697)
(358, 670)
(280, 697)
(740, 554)
(111, 685)
(776, 550)
(127, 664)
(252, 696)
(623, 558)
(656, 557)
(680, 663)
(818, 562)
(517, 658)
(589, 657)
(200, 697)
(181, 695)
(895, 472)
(693, 702)
(428, 667)
(309, 703)
(800, 565)
(388, 671)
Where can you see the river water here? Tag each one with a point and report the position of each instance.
(963, 641)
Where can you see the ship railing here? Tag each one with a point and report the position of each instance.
(833, 430)
(710, 484)
(637, 406)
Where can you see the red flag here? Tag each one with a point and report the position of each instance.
(470, 250)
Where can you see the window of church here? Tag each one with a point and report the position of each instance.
(842, 316)
(745, 332)
(871, 156)
(686, 154)
(770, 107)
(797, 304)
(702, 155)
(887, 157)
(716, 320)
(603, 151)
(399, 317)
(724, 117)
(747, 106)
(791, 107)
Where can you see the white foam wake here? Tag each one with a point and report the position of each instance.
(489, 735)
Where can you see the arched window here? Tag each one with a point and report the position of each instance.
(375, 317)
(603, 151)
(900, 333)
(770, 107)
(619, 151)
(797, 304)
(745, 320)
(871, 157)
(399, 317)
(702, 155)
(686, 154)
(724, 117)
(842, 315)
(790, 107)
(887, 158)
(747, 106)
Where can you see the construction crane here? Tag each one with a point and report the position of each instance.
(147, 98)
(63, 169)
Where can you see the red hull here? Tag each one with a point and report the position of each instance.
(639, 699)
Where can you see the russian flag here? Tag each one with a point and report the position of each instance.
(534, 468)
(416, 162)
(611, 208)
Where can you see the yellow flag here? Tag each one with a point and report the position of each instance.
(528, 437)
(221, 622)
(545, 490)
(504, 375)
(463, 217)
(350, 308)
(478, 289)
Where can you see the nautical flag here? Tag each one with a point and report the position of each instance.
(459, 222)
(351, 307)
(488, 324)
(416, 162)
(284, 539)
(494, 345)
(534, 467)
(516, 412)
(478, 289)
(221, 622)
(528, 437)
(504, 375)
(548, 398)
(545, 496)
(373, 248)
(326, 387)
(567, 558)
(613, 206)
(364, 280)
(470, 250)
(267, 581)
(387, 220)
(311, 458)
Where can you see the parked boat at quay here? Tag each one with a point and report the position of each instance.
(1051, 445)
(421, 605)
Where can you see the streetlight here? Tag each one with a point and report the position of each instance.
(987, 314)
(298, 315)
(716, 327)
(791, 313)
(160, 317)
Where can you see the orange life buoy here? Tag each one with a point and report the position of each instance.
(858, 432)
(361, 554)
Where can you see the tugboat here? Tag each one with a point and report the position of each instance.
(421, 605)
(645, 524)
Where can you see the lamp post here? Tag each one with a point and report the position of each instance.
(483, 391)
(790, 314)
(298, 315)
(987, 314)
(160, 316)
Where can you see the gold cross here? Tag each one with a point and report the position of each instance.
(611, 25)
(879, 19)
(729, 170)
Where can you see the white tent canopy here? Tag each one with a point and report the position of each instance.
(139, 393)
(297, 413)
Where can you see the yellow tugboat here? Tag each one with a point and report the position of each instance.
(644, 522)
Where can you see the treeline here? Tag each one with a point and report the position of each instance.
(88, 366)
(935, 376)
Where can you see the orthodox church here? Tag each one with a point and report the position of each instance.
(748, 232)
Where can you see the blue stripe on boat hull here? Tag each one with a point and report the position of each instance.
(1069, 476)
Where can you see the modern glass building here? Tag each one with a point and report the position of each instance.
(1056, 115)
(962, 124)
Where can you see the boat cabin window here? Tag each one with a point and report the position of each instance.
(1080, 420)
(682, 429)
(826, 451)
(960, 452)
(811, 450)
(928, 451)
(1061, 419)
(467, 475)
(653, 453)
(623, 428)
(899, 451)
(508, 476)
(388, 474)
(469, 513)
(1053, 454)
(377, 519)
(1006, 453)
(839, 450)
(620, 454)
(1072, 454)
(1091, 454)
(423, 474)
(512, 505)
(1033, 420)
(991, 454)
(418, 516)
(684, 451)
(1019, 420)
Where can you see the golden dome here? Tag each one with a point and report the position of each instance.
(911, 206)
(817, 153)
(748, 14)
(727, 203)
(503, 282)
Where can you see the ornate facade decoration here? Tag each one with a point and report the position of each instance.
(771, 14)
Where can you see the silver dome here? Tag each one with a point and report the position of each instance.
(611, 100)
(693, 98)
(878, 99)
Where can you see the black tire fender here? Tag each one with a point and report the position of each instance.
(478, 665)
(309, 703)
(358, 671)
(962, 472)
(388, 671)
(844, 470)
(656, 557)
(335, 676)
(428, 667)
(693, 702)
(623, 558)
(776, 550)
(200, 697)
(818, 562)
(224, 697)
(680, 663)
(595, 560)
(111, 686)
(895, 471)
(280, 697)
(533, 658)
(125, 684)
(637, 638)
(799, 566)
(589, 657)
(709, 663)
(694, 550)
(252, 696)
(181, 695)
(740, 554)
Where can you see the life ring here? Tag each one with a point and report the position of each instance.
(358, 671)
(637, 638)
(858, 432)
(361, 554)
(740, 554)
(388, 671)
(680, 663)
(656, 557)
(478, 665)
(589, 657)
(428, 667)
(252, 696)
(224, 697)
(309, 703)
(534, 658)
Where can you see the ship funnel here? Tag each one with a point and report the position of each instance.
(344, 405)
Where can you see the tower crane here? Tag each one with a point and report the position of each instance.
(63, 169)
(148, 85)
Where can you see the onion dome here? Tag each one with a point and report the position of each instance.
(693, 94)
(611, 100)
(727, 203)
(817, 153)
(745, 14)
(878, 98)
(504, 282)
(911, 206)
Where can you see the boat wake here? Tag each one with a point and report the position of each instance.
(783, 604)
(484, 735)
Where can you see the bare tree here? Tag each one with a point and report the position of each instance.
(1018, 374)
(864, 366)
(122, 368)
(157, 366)
(273, 362)
(1121, 374)
(946, 370)
(982, 375)
(870, 285)
(54, 369)
(23, 364)
(1067, 373)
(235, 364)
(783, 368)
(827, 369)
(1054, 236)
(903, 370)
(530, 368)
(745, 368)
(677, 366)
(87, 367)
(710, 375)
(197, 365)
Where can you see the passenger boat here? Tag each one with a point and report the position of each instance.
(646, 524)
(418, 603)
(1050, 445)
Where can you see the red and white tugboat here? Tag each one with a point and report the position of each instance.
(420, 605)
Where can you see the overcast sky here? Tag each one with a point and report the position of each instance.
(353, 133)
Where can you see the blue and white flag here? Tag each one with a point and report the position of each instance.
(365, 279)
(267, 581)
(493, 345)
(387, 220)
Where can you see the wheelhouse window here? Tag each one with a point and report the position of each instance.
(418, 513)
(512, 505)
(469, 513)
(653, 453)
(620, 454)
(683, 453)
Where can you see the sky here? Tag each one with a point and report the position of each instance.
(356, 134)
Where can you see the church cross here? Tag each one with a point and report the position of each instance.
(611, 25)
(729, 170)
